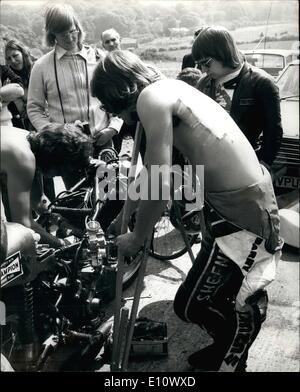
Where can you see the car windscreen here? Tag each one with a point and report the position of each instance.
(288, 82)
(265, 60)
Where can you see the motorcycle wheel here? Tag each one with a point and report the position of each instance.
(167, 241)
(131, 268)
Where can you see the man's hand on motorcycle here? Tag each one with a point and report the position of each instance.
(128, 244)
(36, 236)
(115, 227)
(104, 136)
(79, 124)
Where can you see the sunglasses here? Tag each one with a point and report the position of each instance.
(204, 63)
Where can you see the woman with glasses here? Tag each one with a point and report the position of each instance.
(224, 289)
(60, 81)
(246, 92)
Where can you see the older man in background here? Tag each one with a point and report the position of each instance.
(111, 40)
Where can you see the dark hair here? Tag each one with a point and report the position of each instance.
(119, 78)
(60, 146)
(218, 43)
(196, 32)
(59, 18)
(190, 76)
(28, 59)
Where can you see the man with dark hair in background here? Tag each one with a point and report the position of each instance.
(246, 92)
(188, 59)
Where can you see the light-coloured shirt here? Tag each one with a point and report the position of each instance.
(74, 73)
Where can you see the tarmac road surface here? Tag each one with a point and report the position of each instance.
(276, 348)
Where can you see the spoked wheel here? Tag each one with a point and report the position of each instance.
(167, 241)
(131, 268)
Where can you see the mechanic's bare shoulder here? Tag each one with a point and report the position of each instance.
(16, 155)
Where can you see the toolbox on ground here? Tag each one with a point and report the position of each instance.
(150, 338)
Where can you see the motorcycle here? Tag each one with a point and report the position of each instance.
(56, 320)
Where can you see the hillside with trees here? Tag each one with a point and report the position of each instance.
(149, 21)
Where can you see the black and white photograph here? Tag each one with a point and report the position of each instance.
(149, 187)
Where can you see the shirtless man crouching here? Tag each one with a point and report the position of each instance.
(25, 156)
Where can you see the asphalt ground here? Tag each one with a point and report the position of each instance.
(276, 348)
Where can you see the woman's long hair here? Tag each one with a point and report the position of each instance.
(119, 78)
(28, 60)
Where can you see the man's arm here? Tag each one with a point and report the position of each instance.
(20, 169)
(272, 128)
(155, 110)
(115, 123)
(20, 238)
(155, 113)
(47, 238)
(36, 101)
(106, 134)
(20, 181)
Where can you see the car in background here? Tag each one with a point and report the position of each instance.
(286, 166)
(272, 61)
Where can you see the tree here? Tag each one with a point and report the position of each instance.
(157, 28)
(168, 22)
(37, 24)
(190, 20)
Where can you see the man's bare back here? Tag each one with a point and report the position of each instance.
(18, 164)
(206, 134)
